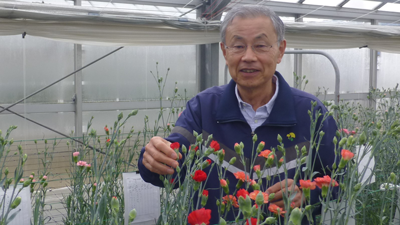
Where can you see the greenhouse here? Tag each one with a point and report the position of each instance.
(86, 84)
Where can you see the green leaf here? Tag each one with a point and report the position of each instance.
(12, 216)
(102, 207)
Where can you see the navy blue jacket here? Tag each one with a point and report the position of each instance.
(216, 111)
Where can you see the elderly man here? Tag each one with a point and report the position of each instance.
(256, 101)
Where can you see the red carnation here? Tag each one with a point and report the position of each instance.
(199, 176)
(195, 149)
(205, 193)
(174, 145)
(209, 161)
(242, 192)
(253, 221)
(325, 181)
(199, 217)
(215, 146)
(307, 184)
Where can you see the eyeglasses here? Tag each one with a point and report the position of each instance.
(240, 49)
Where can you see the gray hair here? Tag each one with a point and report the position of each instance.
(253, 11)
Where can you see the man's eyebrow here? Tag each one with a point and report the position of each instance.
(237, 37)
(261, 36)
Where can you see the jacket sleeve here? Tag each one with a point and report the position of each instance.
(188, 122)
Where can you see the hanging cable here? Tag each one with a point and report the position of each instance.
(223, 8)
(207, 11)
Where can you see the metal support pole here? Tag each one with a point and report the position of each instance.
(373, 70)
(298, 62)
(335, 67)
(207, 59)
(78, 85)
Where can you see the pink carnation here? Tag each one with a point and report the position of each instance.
(75, 154)
(44, 177)
(345, 131)
(81, 163)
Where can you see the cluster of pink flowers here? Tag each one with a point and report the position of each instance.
(83, 163)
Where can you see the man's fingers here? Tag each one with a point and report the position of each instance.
(155, 166)
(163, 146)
(159, 156)
(280, 204)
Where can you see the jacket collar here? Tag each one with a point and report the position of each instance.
(282, 114)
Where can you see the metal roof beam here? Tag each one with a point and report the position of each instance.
(385, 1)
(292, 9)
(171, 3)
(380, 6)
(343, 3)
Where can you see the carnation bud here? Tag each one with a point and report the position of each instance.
(357, 187)
(304, 150)
(120, 116)
(334, 140)
(260, 198)
(362, 139)
(132, 215)
(270, 220)
(342, 142)
(133, 113)
(260, 146)
(232, 161)
(115, 202)
(27, 183)
(393, 177)
(254, 137)
(279, 138)
(238, 149)
(222, 221)
(15, 203)
(295, 216)
(271, 196)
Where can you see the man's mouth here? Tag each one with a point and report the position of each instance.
(249, 70)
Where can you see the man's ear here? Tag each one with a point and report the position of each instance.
(223, 49)
(282, 48)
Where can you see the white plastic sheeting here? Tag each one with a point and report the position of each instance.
(115, 27)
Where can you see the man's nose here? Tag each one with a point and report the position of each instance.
(249, 54)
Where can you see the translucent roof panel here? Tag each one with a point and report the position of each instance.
(391, 7)
(290, 1)
(362, 4)
(323, 3)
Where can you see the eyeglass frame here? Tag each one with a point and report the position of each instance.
(245, 49)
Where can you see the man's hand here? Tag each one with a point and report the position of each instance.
(279, 188)
(159, 157)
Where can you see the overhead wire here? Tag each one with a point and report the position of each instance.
(372, 11)
(222, 9)
(208, 10)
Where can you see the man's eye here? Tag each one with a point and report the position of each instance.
(261, 46)
(238, 46)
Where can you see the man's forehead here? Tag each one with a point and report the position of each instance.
(260, 36)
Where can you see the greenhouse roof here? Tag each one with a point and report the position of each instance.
(310, 24)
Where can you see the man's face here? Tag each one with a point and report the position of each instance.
(252, 69)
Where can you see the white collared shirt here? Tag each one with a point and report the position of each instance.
(258, 117)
